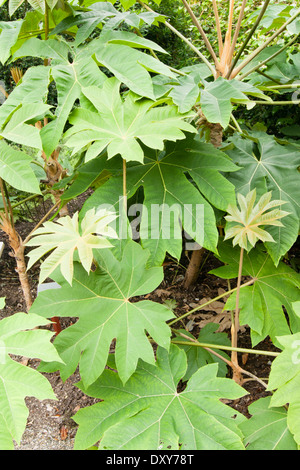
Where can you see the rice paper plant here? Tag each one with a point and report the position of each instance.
(66, 237)
(250, 218)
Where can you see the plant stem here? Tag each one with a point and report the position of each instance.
(237, 29)
(4, 198)
(264, 45)
(225, 58)
(23, 276)
(124, 186)
(277, 103)
(29, 198)
(192, 271)
(224, 348)
(272, 79)
(41, 222)
(237, 377)
(236, 324)
(236, 368)
(7, 204)
(264, 62)
(230, 19)
(282, 87)
(201, 31)
(248, 38)
(236, 124)
(17, 247)
(249, 283)
(181, 36)
(194, 341)
(46, 20)
(218, 26)
(3, 91)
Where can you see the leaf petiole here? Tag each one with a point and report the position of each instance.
(226, 348)
(199, 307)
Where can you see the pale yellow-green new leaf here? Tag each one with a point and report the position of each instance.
(66, 236)
(250, 217)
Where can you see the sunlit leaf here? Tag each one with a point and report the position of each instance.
(102, 302)
(150, 413)
(15, 169)
(284, 379)
(172, 200)
(261, 304)
(65, 236)
(20, 336)
(266, 165)
(267, 428)
(118, 124)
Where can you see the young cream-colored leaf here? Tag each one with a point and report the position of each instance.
(251, 217)
(66, 236)
(268, 165)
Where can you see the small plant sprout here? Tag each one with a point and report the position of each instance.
(66, 236)
(250, 217)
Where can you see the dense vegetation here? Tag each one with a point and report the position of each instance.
(182, 120)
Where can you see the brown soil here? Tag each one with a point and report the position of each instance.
(50, 425)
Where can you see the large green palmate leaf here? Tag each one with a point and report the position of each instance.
(69, 79)
(19, 128)
(101, 301)
(276, 16)
(19, 336)
(115, 50)
(269, 166)
(129, 3)
(284, 380)
(98, 13)
(261, 304)
(149, 412)
(217, 99)
(119, 124)
(267, 428)
(15, 169)
(32, 88)
(118, 52)
(197, 356)
(38, 5)
(9, 32)
(171, 199)
(84, 177)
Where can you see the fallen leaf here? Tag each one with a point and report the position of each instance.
(223, 319)
(161, 292)
(63, 433)
(245, 358)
